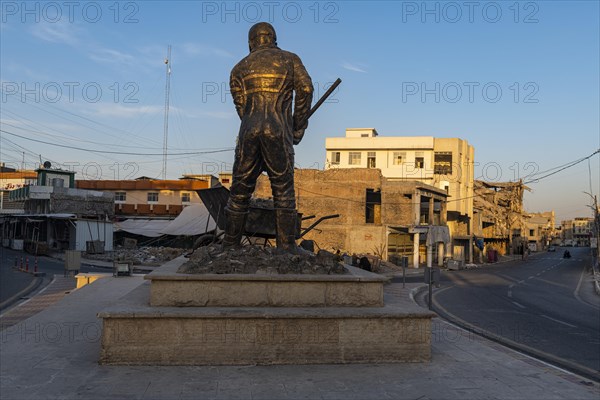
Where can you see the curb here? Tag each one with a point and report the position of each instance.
(596, 277)
(138, 268)
(31, 288)
(414, 292)
(36, 274)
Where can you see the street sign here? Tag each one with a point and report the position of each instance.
(432, 275)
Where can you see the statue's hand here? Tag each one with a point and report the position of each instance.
(298, 135)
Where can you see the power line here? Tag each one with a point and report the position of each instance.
(569, 165)
(118, 152)
(66, 137)
(83, 118)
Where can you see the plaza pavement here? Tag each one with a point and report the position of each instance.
(53, 355)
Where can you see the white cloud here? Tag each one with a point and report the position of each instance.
(128, 111)
(9, 121)
(354, 67)
(59, 32)
(111, 56)
(121, 111)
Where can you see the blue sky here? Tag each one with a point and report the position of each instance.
(518, 80)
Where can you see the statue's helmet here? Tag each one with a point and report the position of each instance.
(261, 33)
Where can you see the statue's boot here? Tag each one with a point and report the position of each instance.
(234, 228)
(286, 220)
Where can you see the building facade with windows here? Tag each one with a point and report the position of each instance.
(58, 216)
(577, 231)
(11, 179)
(444, 163)
(149, 197)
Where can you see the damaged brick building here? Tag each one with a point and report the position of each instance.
(377, 215)
(499, 216)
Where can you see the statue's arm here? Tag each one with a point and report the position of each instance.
(237, 92)
(303, 97)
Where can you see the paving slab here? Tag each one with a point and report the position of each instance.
(54, 355)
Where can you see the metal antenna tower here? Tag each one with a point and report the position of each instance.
(166, 127)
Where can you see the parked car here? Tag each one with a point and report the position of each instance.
(551, 248)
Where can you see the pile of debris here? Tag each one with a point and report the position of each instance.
(255, 259)
(152, 256)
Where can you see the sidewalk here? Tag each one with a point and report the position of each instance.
(54, 355)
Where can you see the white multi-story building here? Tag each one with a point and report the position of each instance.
(446, 163)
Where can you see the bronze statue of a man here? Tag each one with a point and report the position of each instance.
(263, 85)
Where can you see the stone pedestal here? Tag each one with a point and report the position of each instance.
(358, 288)
(181, 319)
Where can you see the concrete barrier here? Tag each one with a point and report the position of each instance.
(87, 278)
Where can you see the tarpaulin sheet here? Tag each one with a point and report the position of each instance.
(144, 227)
(192, 221)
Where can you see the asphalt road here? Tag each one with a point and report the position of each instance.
(544, 306)
(14, 283)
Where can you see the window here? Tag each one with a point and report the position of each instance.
(58, 182)
(186, 197)
(442, 163)
(335, 158)
(531, 232)
(152, 197)
(364, 135)
(398, 157)
(371, 159)
(419, 159)
(354, 158)
(373, 207)
(120, 196)
(225, 180)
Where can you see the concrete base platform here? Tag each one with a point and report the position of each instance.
(357, 288)
(135, 333)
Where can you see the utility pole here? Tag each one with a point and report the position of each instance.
(166, 123)
(595, 231)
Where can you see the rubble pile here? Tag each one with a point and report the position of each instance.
(140, 256)
(255, 259)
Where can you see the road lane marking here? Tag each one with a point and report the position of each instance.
(509, 294)
(557, 320)
(518, 348)
(518, 305)
(531, 277)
